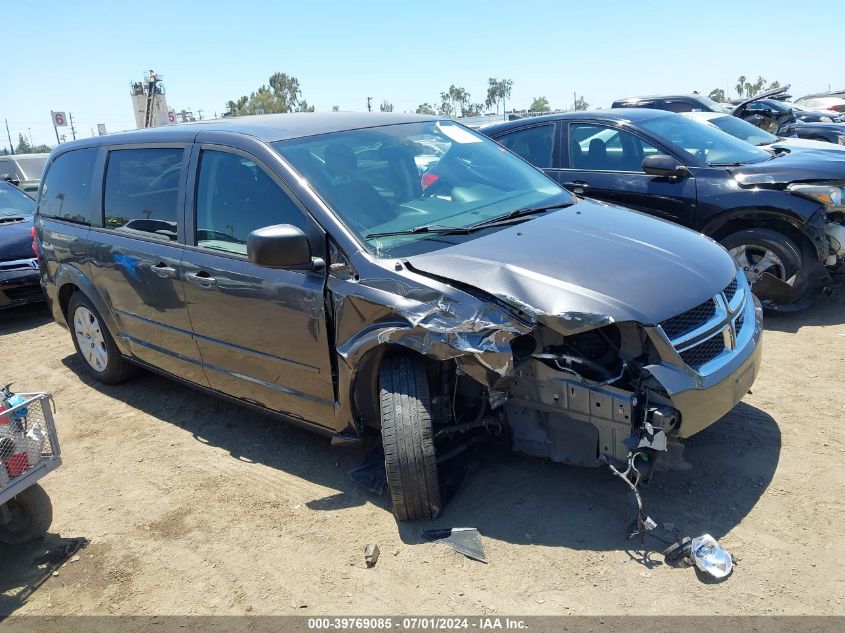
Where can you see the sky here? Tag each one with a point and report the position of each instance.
(80, 57)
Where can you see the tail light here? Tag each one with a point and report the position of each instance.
(34, 243)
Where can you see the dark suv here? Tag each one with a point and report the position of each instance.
(399, 272)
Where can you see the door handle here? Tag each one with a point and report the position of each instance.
(579, 186)
(163, 270)
(202, 279)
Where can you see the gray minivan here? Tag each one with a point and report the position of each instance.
(399, 272)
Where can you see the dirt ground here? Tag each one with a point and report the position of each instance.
(174, 502)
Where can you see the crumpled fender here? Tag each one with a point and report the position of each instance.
(474, 333)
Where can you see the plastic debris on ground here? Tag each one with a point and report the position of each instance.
(704, 552)
(466, 541)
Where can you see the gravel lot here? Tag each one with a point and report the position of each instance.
(174, 502)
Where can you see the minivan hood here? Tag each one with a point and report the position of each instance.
(800, 166)
(587, 263)
(16, 237)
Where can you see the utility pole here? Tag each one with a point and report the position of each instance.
(574, 101)
(72, 129)
(369, 104)
(9, 134)
(199, 113)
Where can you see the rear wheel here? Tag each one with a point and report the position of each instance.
(94, 343)
(408, 440)
(759, 251)
(27, 518)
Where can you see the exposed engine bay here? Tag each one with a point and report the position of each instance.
(573, 399)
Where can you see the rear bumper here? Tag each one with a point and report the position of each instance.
(19, 287)
(51, 294)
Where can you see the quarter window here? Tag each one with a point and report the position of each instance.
(66, 191)
(142, 191)
(235, 197)
(602, 148)
(534, 144)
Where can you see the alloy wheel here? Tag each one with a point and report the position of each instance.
(756, 260)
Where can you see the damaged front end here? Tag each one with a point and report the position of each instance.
(628, 386)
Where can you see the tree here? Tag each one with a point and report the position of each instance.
(282, 95)
(456, 102)
(540, 104)
(740, 85)
(498, 91)
(773, 85)
(426, 108)
(386, 106)
(580, 104)
(23, 146)
(717, 94)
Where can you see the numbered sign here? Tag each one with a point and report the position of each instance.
(171, 117)
(59, 119)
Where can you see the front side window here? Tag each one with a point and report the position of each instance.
(66, 191)
(142, 191)
(534, 144)
(600, 148)
(235, 197)
(714, 147)
(432, 175)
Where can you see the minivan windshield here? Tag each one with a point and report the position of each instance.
(707, 143)
(400, 188)
(14, 202)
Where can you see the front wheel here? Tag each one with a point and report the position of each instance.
(28, 515)
(408, 438)
(759, 251)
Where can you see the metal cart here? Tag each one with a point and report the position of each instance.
(29, 449)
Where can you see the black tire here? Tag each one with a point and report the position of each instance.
(757, 241)
(408, 439)
(116, 368)
(31, 515)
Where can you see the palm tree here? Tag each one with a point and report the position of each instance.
(740, 85)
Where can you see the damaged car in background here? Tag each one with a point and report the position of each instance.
(394, 272)
(779, 213)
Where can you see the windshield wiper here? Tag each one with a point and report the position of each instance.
(465, 230)
(436, 230)
(518, 214)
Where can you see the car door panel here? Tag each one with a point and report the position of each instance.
(136, 265)
(672, 199)
(262, 332)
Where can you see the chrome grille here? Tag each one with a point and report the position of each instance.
(689, 320)
(730, 291)
(704, 352)
(709, 330)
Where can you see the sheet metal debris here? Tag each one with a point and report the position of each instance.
(466, 541)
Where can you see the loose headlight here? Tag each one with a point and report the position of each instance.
(828, 196)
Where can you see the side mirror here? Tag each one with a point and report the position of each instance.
(281, 246)
(10, 178)
(665, 166)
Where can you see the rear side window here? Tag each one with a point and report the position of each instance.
(678, 105)
(534, 144)
(235, 197)
(142, 191)
(66, 191)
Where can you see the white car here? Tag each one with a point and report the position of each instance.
(754, 135)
